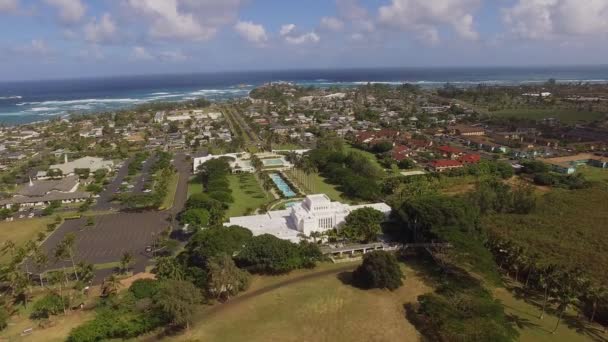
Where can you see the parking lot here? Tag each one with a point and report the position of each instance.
(109, 238)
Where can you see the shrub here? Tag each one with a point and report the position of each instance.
(379, 269)
(51, 304)
(144, 288)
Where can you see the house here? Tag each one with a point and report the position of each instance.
(449, 151)
(467, 131)
(471, 158)
(400, 152)
(569, 164)
(442, 165)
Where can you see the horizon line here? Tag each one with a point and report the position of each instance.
(252, 71)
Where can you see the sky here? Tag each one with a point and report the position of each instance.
(44, 39)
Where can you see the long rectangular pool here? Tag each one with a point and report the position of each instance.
(282, 185)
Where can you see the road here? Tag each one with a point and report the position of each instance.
(104, 201)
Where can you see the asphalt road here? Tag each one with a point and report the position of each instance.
(104, 201)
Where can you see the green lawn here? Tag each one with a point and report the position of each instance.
(318, 309)
(316, 184)
(247, 193)
(564, 115)
(533, 329)
(194, 186)
(594, 174)
(21, 231)
(171, 189)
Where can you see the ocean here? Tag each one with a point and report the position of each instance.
(30, 101)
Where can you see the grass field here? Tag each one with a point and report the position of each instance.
(564, 115)
(247, 194)
(533, 329)
(318, 185)
(320, 309)
(594, 174)
(21, 231)
(171, 189)
(194, 186)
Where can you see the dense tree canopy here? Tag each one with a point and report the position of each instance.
(362, 225)
(380, 270)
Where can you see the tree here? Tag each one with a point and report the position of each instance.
(110, 285)
(178, 299)
(269, 254)
(86, 271)
(168, 268)
(40, 260)
(224, 278)
(379, 269)
(125, 261)
(212, 242)
(65, 250)
(363, 225)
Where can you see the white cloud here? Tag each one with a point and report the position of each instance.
(194, 20)
(291, 35)
(140, 53)
(424, 18)
(309, 37)
(332, 24)
(8, 5)
(286, 29)
(251, 32)
(70, 11)
(35, 48)
(173, 56)
(551, 19)
(101, 31)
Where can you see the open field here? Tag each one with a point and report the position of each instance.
(22, 231)
(318, 185)
(594, 174)
(564, 115)
(319, 309)
(247, 193)
(62, 325)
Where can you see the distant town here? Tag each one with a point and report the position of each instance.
(193, 202)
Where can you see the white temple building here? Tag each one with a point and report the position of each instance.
(316, 213)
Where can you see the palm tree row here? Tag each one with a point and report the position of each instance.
(560, 285)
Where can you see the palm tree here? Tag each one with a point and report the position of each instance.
(68, 243)
(567, 291)
(41, 260)
(125, 261)
(110, 285)
(545, 280)
(57, 277)
(86, 271)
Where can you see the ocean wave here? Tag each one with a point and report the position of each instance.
(14, 97)
(83, 101)
(43, 109)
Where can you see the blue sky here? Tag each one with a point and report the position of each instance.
(76, 38)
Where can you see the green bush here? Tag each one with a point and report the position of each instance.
(144, 288)
(51, 304)
(379, 269)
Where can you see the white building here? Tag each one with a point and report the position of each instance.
(91, 163)
(316, 213)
